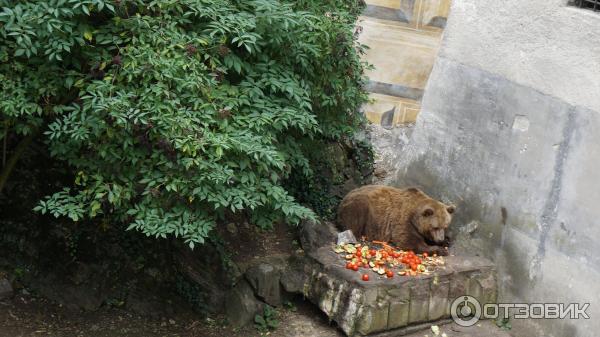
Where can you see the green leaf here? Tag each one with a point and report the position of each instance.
(258, 319)
(95, 206)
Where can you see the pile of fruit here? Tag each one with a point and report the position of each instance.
(384, 259)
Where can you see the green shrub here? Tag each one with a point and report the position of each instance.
(268, 320)
(174, 114)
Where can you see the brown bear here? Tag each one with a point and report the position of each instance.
(407, 218)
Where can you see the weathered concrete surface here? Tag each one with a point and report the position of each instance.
(541, 44)
(509, 132)
(381, 304)
(389, 145)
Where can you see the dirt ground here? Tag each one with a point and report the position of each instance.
(25, 316)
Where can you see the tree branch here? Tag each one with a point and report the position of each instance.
(12, 161)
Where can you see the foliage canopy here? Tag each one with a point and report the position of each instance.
(176, 113)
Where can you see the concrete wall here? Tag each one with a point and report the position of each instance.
(509, 130)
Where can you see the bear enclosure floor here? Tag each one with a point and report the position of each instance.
(27, 316)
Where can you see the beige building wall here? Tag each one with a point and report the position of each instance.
(404, 37)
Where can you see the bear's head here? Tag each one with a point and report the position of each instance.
(432, 219)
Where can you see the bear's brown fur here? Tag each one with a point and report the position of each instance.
(407, 218)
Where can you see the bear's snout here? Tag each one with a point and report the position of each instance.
(438, 235)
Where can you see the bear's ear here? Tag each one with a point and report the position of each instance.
(427, 212)
(451, 209)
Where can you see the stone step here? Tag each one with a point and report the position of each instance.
(384, 307)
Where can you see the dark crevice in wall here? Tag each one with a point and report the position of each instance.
(395, 90)
(438, 21)
(550, 210)
(387, 119)
(587, 4)
(385, 13)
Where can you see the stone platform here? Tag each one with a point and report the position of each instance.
(386, 307)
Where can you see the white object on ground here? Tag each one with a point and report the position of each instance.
(346, 237)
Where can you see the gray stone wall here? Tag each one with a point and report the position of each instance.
(509, 131)
(543, 44)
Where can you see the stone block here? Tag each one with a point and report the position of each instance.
(419, 301)
(6, 290)
(373, 319)
(439, 305)
(350, 312)
(316, 234)
(241, 306)
(382, 305)
(293, 277)
(485, 286)
(371, 296)
(458, 286)
(264, 279)
(399, 293)
(475, 289)
(398, 314)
